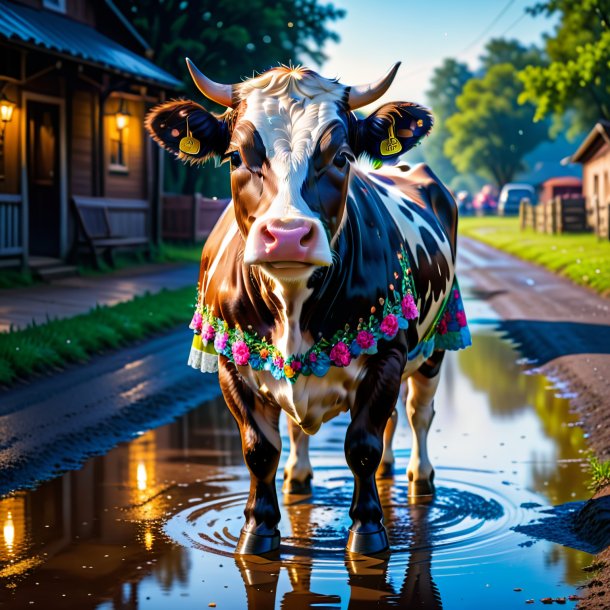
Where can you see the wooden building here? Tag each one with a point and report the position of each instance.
(594, 155)
(75, 84)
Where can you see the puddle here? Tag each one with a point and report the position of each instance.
(154, 522)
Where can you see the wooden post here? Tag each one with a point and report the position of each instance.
(597, 216)
(522, 205)
(196, 212)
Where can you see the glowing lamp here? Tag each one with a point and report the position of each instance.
(121, 117)
(6, 109)
(6, 115)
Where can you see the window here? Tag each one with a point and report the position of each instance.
(55, 5)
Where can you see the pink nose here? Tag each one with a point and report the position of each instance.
(287, 240)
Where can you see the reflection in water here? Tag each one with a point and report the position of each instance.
(368, 578)
(97, 537)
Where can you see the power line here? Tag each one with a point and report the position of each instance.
(513, 24)
(486, 30)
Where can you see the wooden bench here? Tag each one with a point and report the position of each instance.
(107, 224)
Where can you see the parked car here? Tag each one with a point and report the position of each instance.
(511, 196)
(485, 201)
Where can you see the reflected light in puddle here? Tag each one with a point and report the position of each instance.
(141, 476)
(148, 539)
(9, 533)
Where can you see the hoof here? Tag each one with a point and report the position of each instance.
(297, 488)
(369, 543)
(385, 470)
(255, 544)
(421, 489)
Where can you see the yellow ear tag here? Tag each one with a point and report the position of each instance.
(189, 144)
(392, 145)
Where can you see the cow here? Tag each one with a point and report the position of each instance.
(328, 281)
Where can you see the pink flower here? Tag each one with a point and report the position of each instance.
(241, 352)
(279, 362)
(389, 326)
(313, 357)
(296, 365)
(220, 342)
(409, 308)
(196, 322)
(460, 316)
(207, 332)
(365, 339)
(456, 294)
(442, 327)
(340, 355)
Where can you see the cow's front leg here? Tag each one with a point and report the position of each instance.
(375, 400)
(297, 472)
(420, 411)
(261, 446)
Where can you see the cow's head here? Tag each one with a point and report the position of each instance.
(291, 137)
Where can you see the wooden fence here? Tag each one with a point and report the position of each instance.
(559, 215)
(11, 226)
(190, 217)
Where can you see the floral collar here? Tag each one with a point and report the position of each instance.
(214, 336)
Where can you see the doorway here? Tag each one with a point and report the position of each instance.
(44, 178)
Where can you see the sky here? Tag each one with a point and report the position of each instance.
(374, 35)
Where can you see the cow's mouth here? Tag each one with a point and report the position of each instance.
(289, 265)
(288, 271)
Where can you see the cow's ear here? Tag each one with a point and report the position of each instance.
(392, 130)
(188, 130)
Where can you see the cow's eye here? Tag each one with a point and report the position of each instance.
(235, 159)
(340, 160)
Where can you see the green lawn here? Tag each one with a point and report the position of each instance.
(580, 257)
(47, 347)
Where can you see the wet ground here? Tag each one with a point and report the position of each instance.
(154, 522)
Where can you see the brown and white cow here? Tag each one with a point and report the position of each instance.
(324, 284)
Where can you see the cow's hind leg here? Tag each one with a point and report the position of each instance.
(261, 446)
(420, 411)
(375, 400)
(297, 472)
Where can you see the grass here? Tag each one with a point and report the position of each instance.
(599, 473)
(581, 257)
(44, 347)
(165, 253)
(11, 278)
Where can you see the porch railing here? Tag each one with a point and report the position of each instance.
(11, 225)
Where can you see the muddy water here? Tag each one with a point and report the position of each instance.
(153, 524)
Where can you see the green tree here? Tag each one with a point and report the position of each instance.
(502, 51)
(446, 84)
(491, 132)
(577, 78)
(228, 40)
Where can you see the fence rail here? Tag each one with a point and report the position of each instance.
(190, 217)
(558, 215)
(11, 225)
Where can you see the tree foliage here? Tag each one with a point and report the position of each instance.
(578, 75)
(228, 40)
(446, 84)
(491, 132)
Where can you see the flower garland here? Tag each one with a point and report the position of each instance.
(244, 348)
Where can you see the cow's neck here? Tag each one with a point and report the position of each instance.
(285, 302)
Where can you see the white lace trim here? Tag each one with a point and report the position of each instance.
(206, 363)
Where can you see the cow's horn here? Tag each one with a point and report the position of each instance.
(217, 92)
(365, 94)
